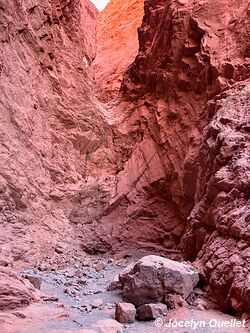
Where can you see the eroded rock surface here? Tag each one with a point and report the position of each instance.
(218, 233)
(185, 184)
(52, 130)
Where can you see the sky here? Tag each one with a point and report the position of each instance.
(100, 4)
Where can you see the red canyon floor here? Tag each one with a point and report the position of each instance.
(82, 304)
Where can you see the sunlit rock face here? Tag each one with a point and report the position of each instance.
(117, 44)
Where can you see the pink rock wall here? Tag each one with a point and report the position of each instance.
(185, 184)
(52, 128)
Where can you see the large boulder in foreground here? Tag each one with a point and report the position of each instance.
(152, 277)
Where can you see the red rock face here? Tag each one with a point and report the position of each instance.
(51, 125)
(14, 291)
(218, 226)
(184, 65)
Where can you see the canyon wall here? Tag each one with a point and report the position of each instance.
(184, 189)
(164, 167)
(52, 127)
(195, 63)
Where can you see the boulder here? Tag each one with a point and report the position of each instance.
(151, 311)
(152, 277)
(125, 312)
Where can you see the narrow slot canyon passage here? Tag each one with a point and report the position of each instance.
(124, 166)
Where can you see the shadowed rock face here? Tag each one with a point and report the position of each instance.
(193, 62)
(218, 226)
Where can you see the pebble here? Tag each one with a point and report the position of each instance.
(96, 303)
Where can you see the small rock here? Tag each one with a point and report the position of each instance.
(86, 307)
(72, 292)
(99, 267)
(108, 326)
(59, 249)
(96, 303)
(68, 283)
(49, 298)
(174, 301)
(69, 272)
(110, 305)
(200, 307)
(82, 281)
(205, 304)
(79, 273)
(34, 280)
(97, 291)
(115, 284)
(151, 311)
(198, 291)
(125, 312)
